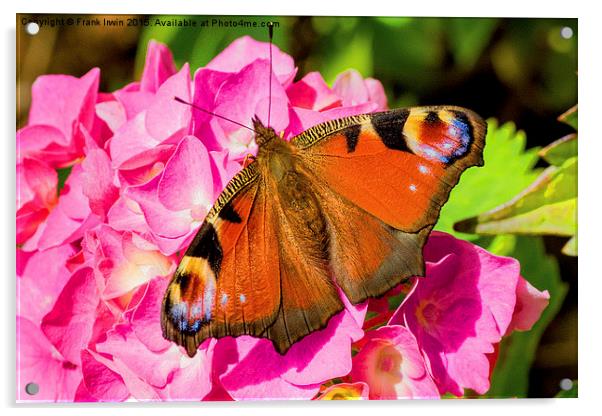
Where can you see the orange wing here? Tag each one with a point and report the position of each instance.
(387, 174)
(251, 269)
(353, 211)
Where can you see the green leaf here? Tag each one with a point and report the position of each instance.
(572, 393)
(548, 206)
(508, 170)
(560, 151)
(570, 117)
(511, 374)
(468, 38)
(63, 174)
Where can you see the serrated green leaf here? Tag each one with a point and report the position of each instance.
(560, 151)
(548, 206)
(511, 374)
(570, 117)
(508, 170)
(572, 393)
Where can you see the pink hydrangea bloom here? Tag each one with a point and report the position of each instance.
(94, 262)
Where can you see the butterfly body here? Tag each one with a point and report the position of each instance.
(346, 205)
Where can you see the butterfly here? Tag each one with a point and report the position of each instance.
(348, 204)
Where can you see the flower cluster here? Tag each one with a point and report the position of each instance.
(94, 259)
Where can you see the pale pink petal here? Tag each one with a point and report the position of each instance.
(46, 143)
(187, 181)
(376, 93)
(69, 219)
(165, 116)
(154, 368)
(162, 221)
(349, 85)
(59, 100)
(69, 325)
(98, 182)
(144, 166)
(530, 303)
(246, 50)
(192, 381)
(126, 215)
(113, 113)
(146, 322)
(133, 102)
(38, 182)
(392, 366)
(131, 139)
(42, 279)
(39, 362)
(104, 384)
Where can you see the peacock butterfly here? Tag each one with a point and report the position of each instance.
(348, 203)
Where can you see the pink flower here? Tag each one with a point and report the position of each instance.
(124, 260)
(460, 310)
(40, 363)
(69, 219)
(392, 366)
(41, 276)
(37, 195)
(61, 107)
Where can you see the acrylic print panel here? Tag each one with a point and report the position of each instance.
(220, 247)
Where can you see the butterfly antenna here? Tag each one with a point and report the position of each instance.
(196, 107)
(271, 35)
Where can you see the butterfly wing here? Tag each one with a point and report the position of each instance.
(251, 269)
(387, 174)
(354, 213)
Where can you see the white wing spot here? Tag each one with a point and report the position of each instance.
(242, 298)
(224, 299)
(413, 188)
(423, 169)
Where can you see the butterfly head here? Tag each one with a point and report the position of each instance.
(263, 134)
